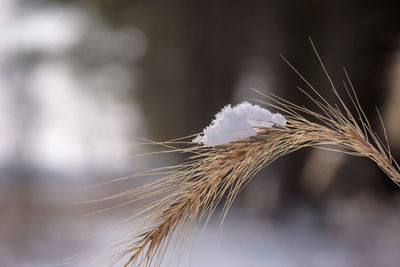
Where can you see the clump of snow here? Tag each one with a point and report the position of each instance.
(238, 122)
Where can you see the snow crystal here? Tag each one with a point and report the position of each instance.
(238, 122)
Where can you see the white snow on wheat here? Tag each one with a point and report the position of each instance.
(234, 123)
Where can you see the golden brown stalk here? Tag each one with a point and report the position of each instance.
(193, 189)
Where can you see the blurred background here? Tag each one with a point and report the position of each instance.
(80, 79)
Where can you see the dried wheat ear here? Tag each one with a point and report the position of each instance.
(223, 159)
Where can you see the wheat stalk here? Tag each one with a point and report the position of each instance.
(192, 190)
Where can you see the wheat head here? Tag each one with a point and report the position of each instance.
(192, 190)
